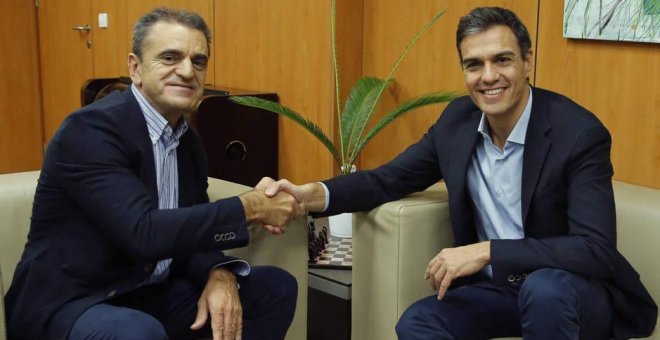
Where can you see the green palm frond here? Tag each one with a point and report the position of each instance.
(412, 104)
(355, 116)
(286, 112)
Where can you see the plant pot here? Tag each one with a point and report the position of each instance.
(341, 225)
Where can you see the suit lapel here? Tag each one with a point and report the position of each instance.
(466, 139)
(462, 150)
(139, 133)
(537, 145)
(461, 153)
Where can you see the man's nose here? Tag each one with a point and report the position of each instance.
(185, 68)
(490, 73)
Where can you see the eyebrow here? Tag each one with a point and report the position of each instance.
(504, 54)
(200, 56)
(496, 56)
(179, 53)
(170, 51)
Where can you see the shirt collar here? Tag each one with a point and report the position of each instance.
(157, 124)
(519, 131)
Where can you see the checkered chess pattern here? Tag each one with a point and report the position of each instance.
(338, 253)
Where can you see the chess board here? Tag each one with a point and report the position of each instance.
(337, 254)
(325, 250)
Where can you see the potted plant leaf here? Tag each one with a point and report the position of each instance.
(359, 107)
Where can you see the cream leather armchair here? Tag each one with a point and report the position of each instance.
(287, 251)
(393, 243)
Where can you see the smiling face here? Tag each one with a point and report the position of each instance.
(495, 73)
(172, 70)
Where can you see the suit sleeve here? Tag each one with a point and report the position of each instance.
(582, 211)
(95, 166)
(413, 170)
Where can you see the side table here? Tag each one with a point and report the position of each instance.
(329, 304)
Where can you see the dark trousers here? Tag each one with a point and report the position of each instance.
(167, 310)
(549, 304)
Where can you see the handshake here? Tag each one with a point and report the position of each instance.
(273, 204)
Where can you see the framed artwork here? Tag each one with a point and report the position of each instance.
(620, 20)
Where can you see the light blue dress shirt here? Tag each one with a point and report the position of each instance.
(494, 180)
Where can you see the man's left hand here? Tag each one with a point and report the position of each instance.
(220, 299)
(452, 263)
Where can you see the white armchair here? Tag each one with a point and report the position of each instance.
(393, 243)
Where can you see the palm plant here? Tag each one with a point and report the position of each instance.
(359, 107)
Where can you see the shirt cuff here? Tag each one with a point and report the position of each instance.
(327, 196)
(237, 267)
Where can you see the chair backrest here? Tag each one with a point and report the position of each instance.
(638, 231)
(16, 197)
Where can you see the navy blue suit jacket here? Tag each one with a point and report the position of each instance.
(567, 199)
(96, 230)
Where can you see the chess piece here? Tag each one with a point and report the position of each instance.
(324, 237)
(311, 254)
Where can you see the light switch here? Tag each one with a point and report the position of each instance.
(103, 20)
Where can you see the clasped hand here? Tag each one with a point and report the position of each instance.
(272, 212)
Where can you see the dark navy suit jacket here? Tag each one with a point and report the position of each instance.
(96, 230)
(567, 199)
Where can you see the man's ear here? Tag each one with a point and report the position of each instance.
(134, 69)
(529, 62)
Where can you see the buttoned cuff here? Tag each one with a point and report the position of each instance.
(237, 267)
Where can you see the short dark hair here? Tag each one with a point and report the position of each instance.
(481, 19)
(164, 14)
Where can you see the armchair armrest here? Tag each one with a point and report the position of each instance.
(392, 245)
(287, 251)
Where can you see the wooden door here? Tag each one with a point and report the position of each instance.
(66, 57)
(21, 140)
(110, 47)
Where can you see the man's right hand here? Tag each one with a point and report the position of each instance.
(310, 196)
(275, 212)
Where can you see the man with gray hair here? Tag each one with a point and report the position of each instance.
(124, 243)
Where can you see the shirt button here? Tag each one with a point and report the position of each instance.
(112, 293)
(499, 191)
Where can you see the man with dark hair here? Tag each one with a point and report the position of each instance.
(528, 174)
(124, 243)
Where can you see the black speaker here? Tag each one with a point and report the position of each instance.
(241, 141)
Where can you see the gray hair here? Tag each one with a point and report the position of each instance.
(481, 19)
(163, 14)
